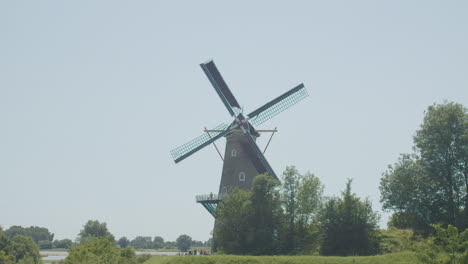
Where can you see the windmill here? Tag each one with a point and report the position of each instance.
(243, 159)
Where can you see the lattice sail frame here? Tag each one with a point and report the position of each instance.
(189, 146)
(279, 107)
(237, 111)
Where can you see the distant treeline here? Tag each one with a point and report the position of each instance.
(146, 242)
(40, 235)
(93, 228)
(94, 244)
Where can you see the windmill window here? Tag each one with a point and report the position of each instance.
(242, 176)
(223, 191)
(234, 153)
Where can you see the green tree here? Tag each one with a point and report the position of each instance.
(20, 249)
(170, 244)
(251, 222)
(431, 186)
(4, 241)
(6, 259)
(266, 220)
(142, 242)
(93, 229)
(232, 228)
(402, 220)
(184, 242)
(302, 199)
(64, 243)
(158, 242)
(45, 244)
(99, 251)
(24, 250)
(406, 190)
(289, 193)
(123, 242)
(309, 203)
(270, 219)
(442, 142)
(35, 232)
(349, 226)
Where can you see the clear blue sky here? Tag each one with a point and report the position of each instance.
(94, 95)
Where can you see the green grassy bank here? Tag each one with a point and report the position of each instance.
(406, 257)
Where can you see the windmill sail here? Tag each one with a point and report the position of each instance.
(182, 152)
(278, 105)
(221, 87)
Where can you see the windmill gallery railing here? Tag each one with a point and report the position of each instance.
(209, 201)
(209, 197)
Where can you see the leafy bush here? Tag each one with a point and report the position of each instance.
(100, 251)
(394, 240)
(183, 242)
(446, 246)
(24, 250)
(93, 229)
(44, 244)
(35, 232)
(349, 226)
(5, 258)
(123, 242)
(140, 242)
(143, 258)
(64, 243)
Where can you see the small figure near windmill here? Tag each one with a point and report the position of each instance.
(243, 159)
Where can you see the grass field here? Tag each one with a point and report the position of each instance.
(406, 258)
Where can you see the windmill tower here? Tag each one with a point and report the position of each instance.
(243, 159)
